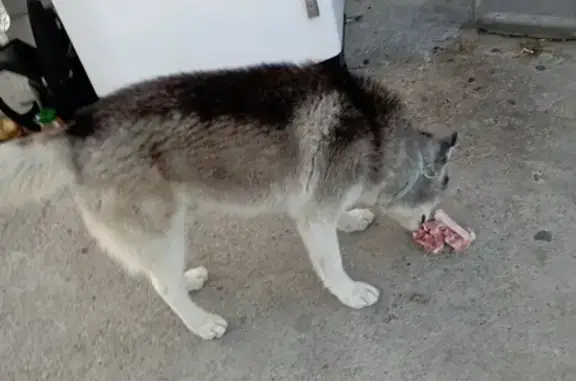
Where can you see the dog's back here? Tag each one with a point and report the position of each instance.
(268, 136)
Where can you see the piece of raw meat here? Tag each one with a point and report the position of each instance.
(430, 237)
(442, 230)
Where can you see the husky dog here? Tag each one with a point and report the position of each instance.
(310, 141)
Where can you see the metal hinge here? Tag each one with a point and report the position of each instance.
(312, 8)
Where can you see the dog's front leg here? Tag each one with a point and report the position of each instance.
(321, 241)
(355, 220)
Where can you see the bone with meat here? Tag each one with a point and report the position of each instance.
(442, 230)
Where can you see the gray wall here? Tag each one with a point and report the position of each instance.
(561, 8)
(20, 27)
(17, 7)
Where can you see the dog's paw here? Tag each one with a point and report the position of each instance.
(212, 328)
(358, 295)
(194, 279)
(355, 220)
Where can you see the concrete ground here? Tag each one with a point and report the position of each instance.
(505, 310)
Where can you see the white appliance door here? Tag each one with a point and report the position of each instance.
(125, 41)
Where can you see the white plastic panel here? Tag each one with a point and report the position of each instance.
(125, 41)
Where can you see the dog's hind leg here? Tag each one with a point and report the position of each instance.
(321, 240)
(152, 240)
(173, 286)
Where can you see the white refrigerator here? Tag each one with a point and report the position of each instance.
(124, 41)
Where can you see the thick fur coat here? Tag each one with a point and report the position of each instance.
(310, 141)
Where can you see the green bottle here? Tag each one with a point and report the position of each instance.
(47, 118)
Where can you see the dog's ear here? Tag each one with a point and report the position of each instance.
(452, 139)
(447, 145)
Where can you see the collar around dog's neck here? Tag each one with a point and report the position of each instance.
(421, 169)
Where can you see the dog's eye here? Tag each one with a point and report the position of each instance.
(423, 219)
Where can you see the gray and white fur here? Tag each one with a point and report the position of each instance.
(309, 141)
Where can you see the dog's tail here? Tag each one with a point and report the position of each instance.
(35, 167)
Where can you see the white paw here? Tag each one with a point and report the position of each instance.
(194, 279)
(358, 295)
(356, 220)
(212, 328)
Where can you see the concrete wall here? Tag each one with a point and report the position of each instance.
(18, 7)
(562, 8)
(20, 26)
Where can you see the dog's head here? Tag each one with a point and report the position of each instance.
(424, 182)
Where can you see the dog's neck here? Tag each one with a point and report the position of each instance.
(414, 170)
(402, 164)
